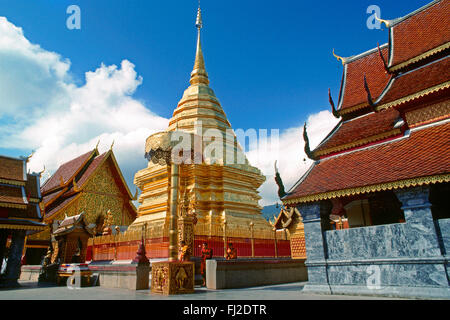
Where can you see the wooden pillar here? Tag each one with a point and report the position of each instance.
(252, 235)
(210, 223)
(275, 240)
(225, 238)
(173, 225)
(12, 272)
(3, 238)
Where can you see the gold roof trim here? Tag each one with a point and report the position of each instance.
(19, 227)
(372, 188)
(13, 182)
(359, 142)
(421, 56)
(414, 96)
(57, 213)
(62, 191)
(354, 108)
(13, 205)
(34, 200)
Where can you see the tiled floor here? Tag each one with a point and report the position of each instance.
(291, 291)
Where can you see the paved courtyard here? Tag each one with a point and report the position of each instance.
(290, 291)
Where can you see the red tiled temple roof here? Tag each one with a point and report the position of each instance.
(11, 169)
(420, 32)
(91, 169)
(67, 171)
(428, 76)
(60, 205)
(371, 65)
(424, 153)
(52, 196)
(359, 131)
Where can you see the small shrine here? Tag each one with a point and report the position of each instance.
(70, 239)
(290, 220)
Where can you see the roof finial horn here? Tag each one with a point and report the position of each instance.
(343, 60)
(387, 23)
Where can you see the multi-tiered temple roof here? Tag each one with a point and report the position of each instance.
(70, 180)
(19, 196)
(394, 108)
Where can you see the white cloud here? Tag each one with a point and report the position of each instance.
(45, 110)
(289, 153)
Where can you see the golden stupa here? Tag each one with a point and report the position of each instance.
(223, 189)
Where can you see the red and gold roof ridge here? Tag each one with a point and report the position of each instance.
(428, 79)
(365, 67)
(66, 172)
(418, 35)
(404, 88)
(418, 157)
(358, 132)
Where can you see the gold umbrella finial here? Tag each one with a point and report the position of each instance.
(199, 74)
(198, 21)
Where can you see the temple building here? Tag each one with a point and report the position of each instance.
(223, 189)
(20, 214)
(384, 170)
(91, 184)
(290, 222)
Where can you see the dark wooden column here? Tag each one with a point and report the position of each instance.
(12, 272)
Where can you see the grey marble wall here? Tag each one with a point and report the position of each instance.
(443, 226)
(402, 257)
(368, 242)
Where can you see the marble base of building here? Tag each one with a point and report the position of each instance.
(408, 259)
(228, 274)
(408, 278)
(30, 273)
(124, 275)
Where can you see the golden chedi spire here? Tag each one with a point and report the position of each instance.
(199, 106)
(199, 74)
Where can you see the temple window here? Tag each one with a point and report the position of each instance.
(439, 199)
(358, 213)
(368, 210)
(385, 208)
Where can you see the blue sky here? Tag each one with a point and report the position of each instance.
(269, 63)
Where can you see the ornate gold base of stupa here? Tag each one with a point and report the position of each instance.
(172, 277)
(220, 193)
